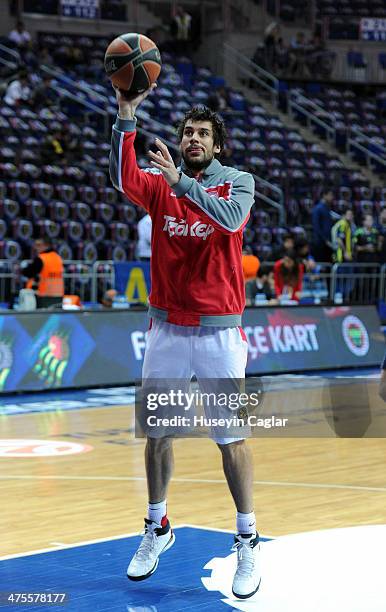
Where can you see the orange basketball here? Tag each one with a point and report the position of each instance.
(133, 63)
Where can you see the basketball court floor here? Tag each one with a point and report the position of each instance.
(73, 494)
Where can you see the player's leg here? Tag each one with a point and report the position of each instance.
(223, 355)
(159, 462)
(165, 358)
(238, 469)
(382, 382)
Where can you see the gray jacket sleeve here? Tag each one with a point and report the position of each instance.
(230, 214)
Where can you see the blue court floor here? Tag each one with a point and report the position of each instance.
(93, 576)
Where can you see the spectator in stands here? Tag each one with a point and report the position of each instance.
(319, 60)
(20, 37)
(45, 274)
(281, 55)
(52, 149)
(341, 237)
(259, 288)
(297, 53)
(287, 244)
(367, 241)
(271, 39)
(143, 252)
(18, 91)
(181, 28)
(108, 298)
(250, 264)
(43, 95)
(70, 143)
(303, 255)
(288, 274)
(321, 227)
(218, 100)
(45, 57)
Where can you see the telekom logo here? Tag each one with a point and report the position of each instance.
(40, 448)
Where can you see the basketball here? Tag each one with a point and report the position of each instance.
(132, 63)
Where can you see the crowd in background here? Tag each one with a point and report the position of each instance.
(342, 240)
(302, 57)
(335, 239)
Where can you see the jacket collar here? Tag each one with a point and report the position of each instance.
(213, 168)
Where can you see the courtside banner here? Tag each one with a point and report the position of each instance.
(308, 338)
(132, 279)
(43, 350)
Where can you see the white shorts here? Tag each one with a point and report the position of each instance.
(180, 352)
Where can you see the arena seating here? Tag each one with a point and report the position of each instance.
(350, 114)
(74, 201)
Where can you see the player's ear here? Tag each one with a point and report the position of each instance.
(217, 149)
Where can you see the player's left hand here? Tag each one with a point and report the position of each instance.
(164, 162)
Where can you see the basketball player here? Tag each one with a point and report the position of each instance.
(198, 213)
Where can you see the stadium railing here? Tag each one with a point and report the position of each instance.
(346, 283)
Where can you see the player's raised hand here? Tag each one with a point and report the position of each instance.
(164, 162)
(128, 106)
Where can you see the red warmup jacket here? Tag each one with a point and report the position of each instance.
(280, 283)
(197, 234)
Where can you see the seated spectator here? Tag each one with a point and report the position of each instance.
(259, 289)
(314, 281)
(319, 60)
(287, 244)
(20, 37)
(52, 149)
(43, 95)
(288, 275)
(218, 100)
(297, 53)
(45, 57)
(18, 91)
(302, 250)
(367, 241)
(108, 298)
(341, 237)
(250, 264)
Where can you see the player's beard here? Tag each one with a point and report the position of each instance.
(197, 165)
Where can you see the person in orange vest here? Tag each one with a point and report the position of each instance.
(250, 263)
(45, 274)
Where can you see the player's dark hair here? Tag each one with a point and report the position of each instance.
(203, 113)
(290, 275)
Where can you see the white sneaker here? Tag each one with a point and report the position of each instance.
(156, 540)
(247, 577)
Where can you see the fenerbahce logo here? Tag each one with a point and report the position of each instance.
(182, 228)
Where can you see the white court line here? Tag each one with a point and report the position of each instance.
(270, 483)
(99, 540)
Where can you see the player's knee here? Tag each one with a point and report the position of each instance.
(233, 448)
(157, 445)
